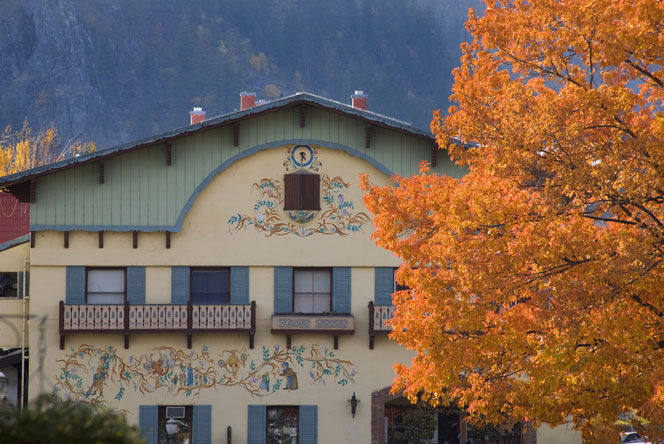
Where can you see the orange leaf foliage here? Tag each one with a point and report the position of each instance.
(538, 278)
(23, 149)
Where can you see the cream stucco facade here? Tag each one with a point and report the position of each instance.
(225, 211)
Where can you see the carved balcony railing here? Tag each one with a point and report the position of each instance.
(378, 315)
(328, 323)
(160, 318)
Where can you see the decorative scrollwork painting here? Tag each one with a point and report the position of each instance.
(337, 215)
(93, 374)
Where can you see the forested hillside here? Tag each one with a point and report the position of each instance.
(111, 71)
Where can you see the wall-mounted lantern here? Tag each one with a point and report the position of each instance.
(353, 404)
(4, 382)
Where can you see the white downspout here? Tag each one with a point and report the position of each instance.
(23, 331)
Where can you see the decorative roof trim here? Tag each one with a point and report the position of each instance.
(12, 243)
(226, 119)
(205, 182)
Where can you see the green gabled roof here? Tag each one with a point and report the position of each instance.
(226, 119)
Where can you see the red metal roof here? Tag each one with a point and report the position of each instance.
(14, 218)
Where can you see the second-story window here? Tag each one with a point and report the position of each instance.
(105, 286)
(312, 290)
(210, 286)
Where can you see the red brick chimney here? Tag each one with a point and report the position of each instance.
(197, 115)
(359, 100)
(247, 100)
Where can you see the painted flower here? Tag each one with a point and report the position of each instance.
(260, 217)
(130, 360)
(221, 363)
(243, 357)
(205, 348)
(81, 354)
(276, 348)
(254, 380)
(341, 198)
(344, 212)
(191, 355)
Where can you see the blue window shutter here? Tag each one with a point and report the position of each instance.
(256, 427)
(383, 285)
(147, 422)
(308, 424)
(19, 291)
(283, 289)
(240, 285)
(75, 285)
(136, 285)
(27, 283)
(202, 430)
(341, 290)
(179, 285)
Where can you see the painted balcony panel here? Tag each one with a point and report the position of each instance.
(157, 318)
(378, 317)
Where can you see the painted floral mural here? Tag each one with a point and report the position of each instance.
(337, 214)
(94, 374)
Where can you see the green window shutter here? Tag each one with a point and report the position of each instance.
(240, 285)
(27, 284)
(147, 422)
(179, 285)
(256, 424)
(283, 289)
(202, 425)
(341, 289)
(308, 424)
(383, 285)
(136, 285)
(19, 291)
(75, 285)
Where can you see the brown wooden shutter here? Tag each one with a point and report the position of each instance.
(301, 192)
(310, 191)
(291, 192)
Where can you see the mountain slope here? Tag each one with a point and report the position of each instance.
(117, 70)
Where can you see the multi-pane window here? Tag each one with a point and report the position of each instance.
(210, 286)
(282, 425)
(105, 285)
(181, 424)
(8, 284)
(312, 290)
(397, 285)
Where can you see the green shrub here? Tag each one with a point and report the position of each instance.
(48, 419)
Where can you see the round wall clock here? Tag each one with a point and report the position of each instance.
(302, 156)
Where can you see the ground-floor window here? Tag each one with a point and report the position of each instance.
(282, 424)
(180, 427)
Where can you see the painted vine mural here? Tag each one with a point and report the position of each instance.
(337, 214)
(95, 375)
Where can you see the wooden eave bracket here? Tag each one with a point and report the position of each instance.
(168, 239)
(302, 115)
(101, 239)
(101, 172)
(134, 235)
(169, 154)
(236, 134)
(33, 190)
(66, 239)
(434, 154)
(367, 135)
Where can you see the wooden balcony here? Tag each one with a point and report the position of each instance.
(127, 319)
(331, 323)
(378, 315)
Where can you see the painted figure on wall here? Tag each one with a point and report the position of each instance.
(265, 382)
(188, 373)
(291, 376)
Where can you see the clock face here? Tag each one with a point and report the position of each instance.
(302, 156)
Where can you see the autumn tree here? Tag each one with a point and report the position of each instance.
(24, 149)
(538, 278)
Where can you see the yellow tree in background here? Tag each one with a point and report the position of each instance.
(24, 149)
(538, 278)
